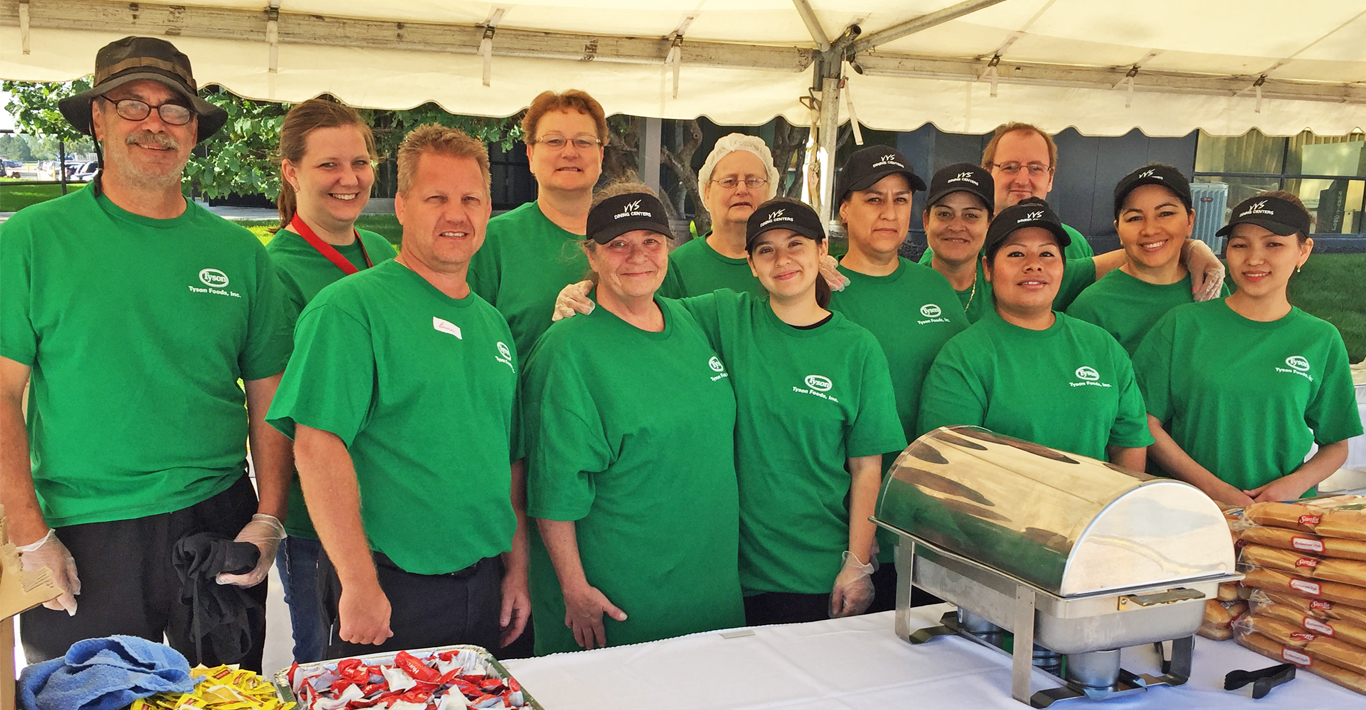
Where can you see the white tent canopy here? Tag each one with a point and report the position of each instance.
(1164, 66)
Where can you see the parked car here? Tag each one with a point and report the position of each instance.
(12, 168)
(85, 172)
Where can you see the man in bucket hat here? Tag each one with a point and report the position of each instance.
(134, 313)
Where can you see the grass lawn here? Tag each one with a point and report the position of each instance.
(385, 225)
(1333, 287)
(16, 196)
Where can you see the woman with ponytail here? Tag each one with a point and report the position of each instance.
(816, 413)
(327, 156)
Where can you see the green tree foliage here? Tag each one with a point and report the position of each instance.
(240, 158)
(33, 104)
(391, 126)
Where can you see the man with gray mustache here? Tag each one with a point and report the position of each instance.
(134, 313)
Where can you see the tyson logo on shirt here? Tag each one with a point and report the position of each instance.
(932, 313)
(505, 355)
(215, 283)
(1297, 365)
(718, 367)
(816, 386)
(1087, 376)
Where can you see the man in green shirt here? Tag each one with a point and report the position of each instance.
(402, 394)
(531, 252)
(737, 177)
(135, 312)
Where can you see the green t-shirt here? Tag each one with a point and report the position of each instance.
(1070, 387)
(808, 400)
(1077, 275)
(1246, 398)
(912, 313)
(1127, 307)
(303, 272)
(695, 268)
(422, 389)
(136, 330)
(1078, 249)
(630, 434)
(523, 264)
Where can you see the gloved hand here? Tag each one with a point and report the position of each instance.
(49, 552)
(573, 299)
(830, 270)
(265, 532)
(853, 592)
(1207, 272)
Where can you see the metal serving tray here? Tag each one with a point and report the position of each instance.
(286, 693)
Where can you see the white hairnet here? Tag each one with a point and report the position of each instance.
(738, 141)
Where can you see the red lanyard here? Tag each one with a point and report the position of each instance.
(328, 250)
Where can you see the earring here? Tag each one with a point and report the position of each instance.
(1297, 268)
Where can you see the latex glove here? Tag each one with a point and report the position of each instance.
(583, 610)
(573, 299)
(265, 532)
(1207, 272)
(830, 270)
(853, 592)
(49, 552)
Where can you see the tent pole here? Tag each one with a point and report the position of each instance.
(648, 154)
(827, 142)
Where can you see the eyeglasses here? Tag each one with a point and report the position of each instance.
(136, 110)
(558, 142)
(731, 182)
(1035, 169)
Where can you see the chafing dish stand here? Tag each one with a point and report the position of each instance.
(1056, 559)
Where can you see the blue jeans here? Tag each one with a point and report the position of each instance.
(297, 563)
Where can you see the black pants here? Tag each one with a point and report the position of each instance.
(425, 610)
(130, 587)
(785, 608)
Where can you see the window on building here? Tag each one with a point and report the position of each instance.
(1327, 172)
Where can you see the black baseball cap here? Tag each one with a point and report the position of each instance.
(1029, 212)
(620, 214)
(1164, 175)
(868, 165)
(963, 177)
(1271, 213)
(136, 58)
(783, 213)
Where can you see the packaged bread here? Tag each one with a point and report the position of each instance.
(1317, 608)
(1311, 566)
(1228, 592)
(1335, 516)
(1223, 613)
(1286, 583)
(1215, 632)
(1332, 628)
(1324, 648)
(1269, 648)
(1281, 538)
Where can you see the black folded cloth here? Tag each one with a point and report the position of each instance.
(221, 613)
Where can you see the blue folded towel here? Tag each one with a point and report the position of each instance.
(104, 674)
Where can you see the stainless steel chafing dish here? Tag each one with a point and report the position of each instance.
(1075, 557)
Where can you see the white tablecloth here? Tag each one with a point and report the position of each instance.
(859, 664)
(1356, 446)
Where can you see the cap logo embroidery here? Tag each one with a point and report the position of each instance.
(1258, 207)
(777, 216)
(631, 209)
(963, 177)
(1031, 217)
(1152, 173)
(889, 159)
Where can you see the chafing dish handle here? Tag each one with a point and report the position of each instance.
(1171, 596)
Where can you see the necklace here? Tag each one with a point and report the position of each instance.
(971, 296)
